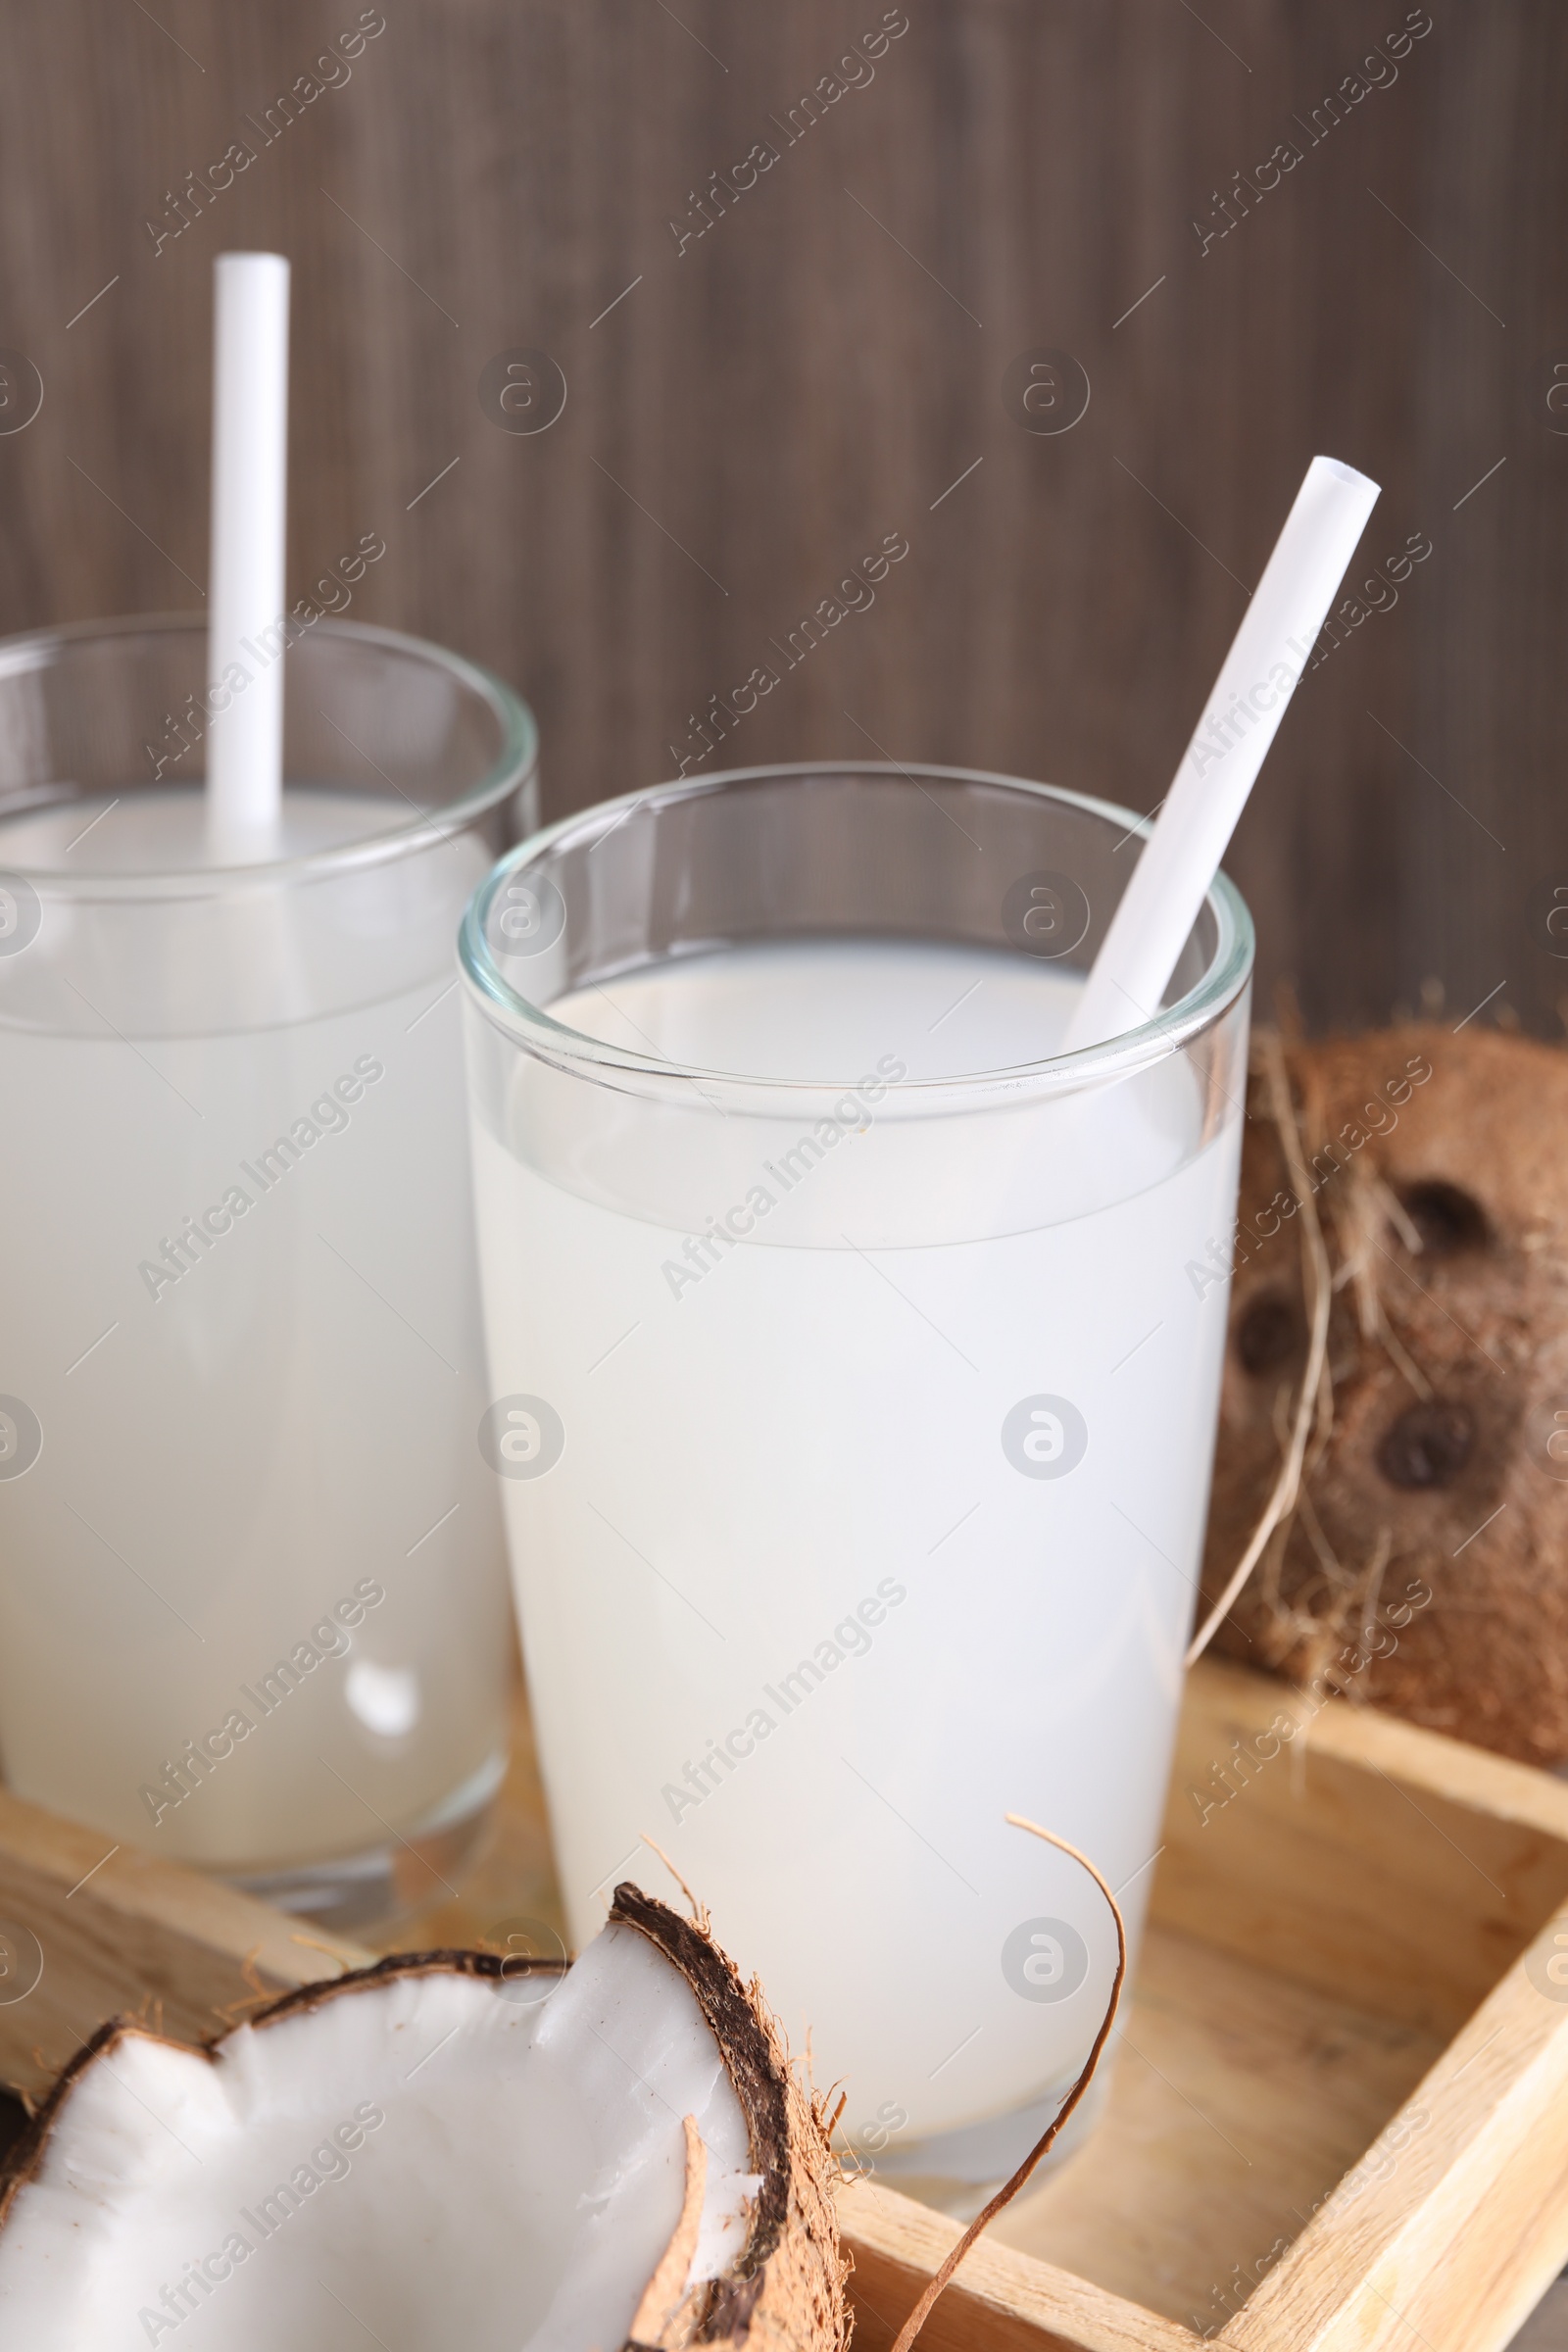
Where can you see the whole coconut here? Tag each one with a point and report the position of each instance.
(1422, 1561)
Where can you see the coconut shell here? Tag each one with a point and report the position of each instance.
(1426, 1566)
(784, 2293)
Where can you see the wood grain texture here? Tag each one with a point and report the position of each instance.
(824, 363)
(1000, 2302)
(122, 1933)
(1385, 1865)
(1239, 2099)
(118, 1932)
(1275, 2163)
(1457, 2241)
(1292, 2153)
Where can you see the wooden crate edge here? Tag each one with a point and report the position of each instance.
(1366, 1737)
(1001, 2300)
(1408, 2247)
(117, 1928)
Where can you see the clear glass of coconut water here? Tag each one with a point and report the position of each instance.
(253, 1607)
(852, 1394)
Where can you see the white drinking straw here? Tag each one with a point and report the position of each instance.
(1181, 857)
(245, 595)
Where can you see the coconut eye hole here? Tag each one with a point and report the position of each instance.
(1267, 1332)
(1427, 1447)
(1447, 1219)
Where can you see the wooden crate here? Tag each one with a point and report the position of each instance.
(1339, 2115)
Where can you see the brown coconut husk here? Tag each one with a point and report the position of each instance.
(1398, 1351)
(805, 2308)
(786, 2289)
(784, 2293)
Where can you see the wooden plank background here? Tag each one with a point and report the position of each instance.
(820, 365)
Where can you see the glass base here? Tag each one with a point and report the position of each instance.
(383, 1883)
(957, 2172)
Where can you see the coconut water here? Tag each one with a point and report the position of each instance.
(252, 1608)
(855, 1492)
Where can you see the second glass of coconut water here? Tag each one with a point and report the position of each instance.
(253, 1606)
(852, 1395)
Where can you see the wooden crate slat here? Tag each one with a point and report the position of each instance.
(132, 1934)
(1467, 2227)
(1397, 1870)
(1238, 2100)
(1001, 2301)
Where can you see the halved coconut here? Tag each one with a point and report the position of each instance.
(439, 2152)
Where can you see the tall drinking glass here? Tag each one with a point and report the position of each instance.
(253, 1608)
(854, 1394)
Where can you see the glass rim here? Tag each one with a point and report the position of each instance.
(570, 1050)
(515, 764)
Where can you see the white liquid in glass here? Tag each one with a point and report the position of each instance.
(790, 1604)
(224, 1544)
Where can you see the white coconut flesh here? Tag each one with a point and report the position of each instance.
(424, 2157)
